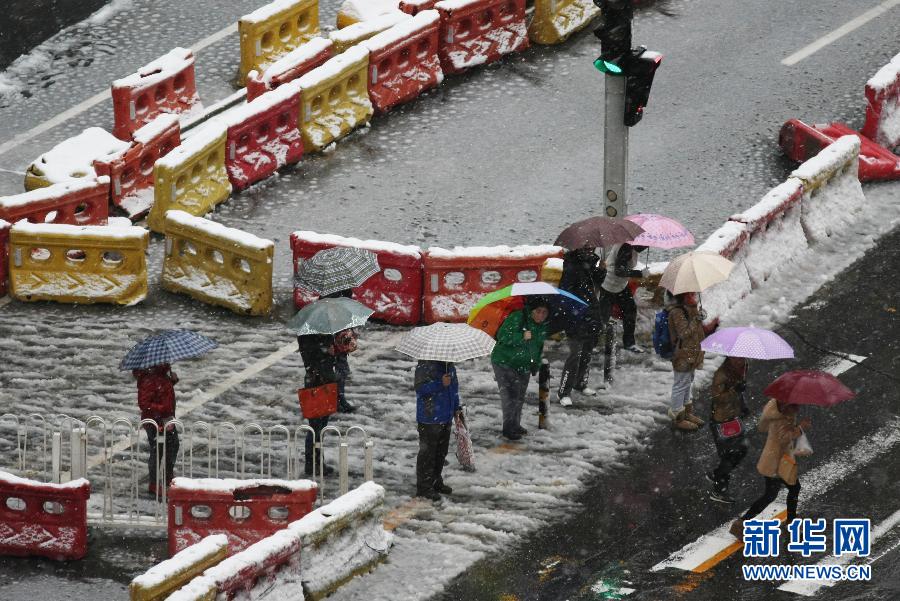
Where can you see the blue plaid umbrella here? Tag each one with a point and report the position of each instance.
(168, 347)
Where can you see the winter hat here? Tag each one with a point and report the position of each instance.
(537, 301)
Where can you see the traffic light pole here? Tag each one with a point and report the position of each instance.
(615, 149)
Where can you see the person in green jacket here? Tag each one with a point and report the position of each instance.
(517, 355)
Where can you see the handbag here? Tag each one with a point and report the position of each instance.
(465, 452)
(730, 429)
(802, 448)
(318, 401)
(787, 468)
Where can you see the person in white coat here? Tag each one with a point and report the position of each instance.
(620, 267)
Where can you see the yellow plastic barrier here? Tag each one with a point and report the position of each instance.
(78, 264)
(164, 579)
(556, 20)
(273, 30)
(218, 265)
(551, 271)
(192, 177)
(334, 98)
(357, 11)
(350, 36)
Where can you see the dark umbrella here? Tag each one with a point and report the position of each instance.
(598, 232)
(168, 347)
(808, 387)
(336, 269)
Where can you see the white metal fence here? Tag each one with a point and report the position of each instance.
(113, 455)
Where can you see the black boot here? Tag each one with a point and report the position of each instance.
(345, 407)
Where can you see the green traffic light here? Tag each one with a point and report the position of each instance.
(607, 67)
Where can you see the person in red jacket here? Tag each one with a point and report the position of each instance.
(156, 400)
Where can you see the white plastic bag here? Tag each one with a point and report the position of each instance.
(465, 451)
(802, 448)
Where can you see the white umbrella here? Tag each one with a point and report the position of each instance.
(695, 271)
(453, 342)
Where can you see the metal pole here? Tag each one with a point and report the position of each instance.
(615, 149)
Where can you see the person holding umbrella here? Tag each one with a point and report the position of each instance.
(150, 364)
(520, 343)
(777, 463)
(614, 289)
(437, 347)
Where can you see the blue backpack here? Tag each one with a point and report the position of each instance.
(662, 341)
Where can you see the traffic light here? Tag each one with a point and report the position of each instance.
(614, 30)
(639, 66)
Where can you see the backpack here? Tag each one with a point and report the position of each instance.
(662, 340)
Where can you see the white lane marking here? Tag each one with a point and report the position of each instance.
(98, 98)
(839, 32)
(820, 480)
(204, 397)
(808, 588)
(5, 301)
(838, 365)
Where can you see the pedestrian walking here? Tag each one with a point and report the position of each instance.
(437, 403)
(516, 357)
(620, 266)
(342, 364)
(777, 463)
(728, 409)
(581, 276)
(156, 400)
(686, 333)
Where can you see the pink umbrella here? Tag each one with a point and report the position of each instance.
(752, 343)
(660, 231)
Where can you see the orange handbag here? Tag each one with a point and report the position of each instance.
(318, 401)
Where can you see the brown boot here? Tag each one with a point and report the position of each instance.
(681, 422)
(737, 529)
(691, 416)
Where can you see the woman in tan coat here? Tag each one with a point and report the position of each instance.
(776, 462)
(686, 333)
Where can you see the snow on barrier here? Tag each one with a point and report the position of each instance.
(728, 241)
(131, 170)
(4, 256)
(883, 105)
(217, 264)
(246, 511)
(274, 30)
(555, 20)
(335, 99)
(263, 136)
(478, 32)
(48, 520)
(192, 177)
(72, 158)
(77, 202)
(832, 194)
(394, 293)
(165, 85)
(291, 66)
(165, 578)
(403, 61)
(342, 539)
(355, 11)
(456, 279)
(78, 264)
(354, 34)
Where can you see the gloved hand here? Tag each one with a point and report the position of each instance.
(745, 411)
(702, 314)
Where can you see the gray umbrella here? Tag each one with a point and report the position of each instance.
(453, 342)
(336, 269)
(328, 316)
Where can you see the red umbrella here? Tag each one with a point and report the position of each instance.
(808, 387)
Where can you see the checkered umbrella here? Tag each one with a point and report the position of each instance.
(453, 342)
(168, 347)
(335, 269)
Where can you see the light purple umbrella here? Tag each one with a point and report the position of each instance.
(749, 342)
(660, 231)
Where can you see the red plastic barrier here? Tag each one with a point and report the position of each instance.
(477, 32)
(883, 92)
(260, 573)
(403, 61)
(395, 293)
(414, 7)
(131, 171)
(4, 256)
(770, 208)
(77, 202)
(246, 511)
(263, 136)
(801, 142)
(49, 520)
(290, 67)
(454, 281)
(164, 86)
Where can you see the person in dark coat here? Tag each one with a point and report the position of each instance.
(614, 290)
(727, 410)
(317, 352)
(437, 401)
(342, 365)
(581, 276)
(156, 400)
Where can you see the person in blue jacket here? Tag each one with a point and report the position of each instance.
(437, 400)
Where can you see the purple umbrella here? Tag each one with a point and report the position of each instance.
(660, 231)
(752, 343)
